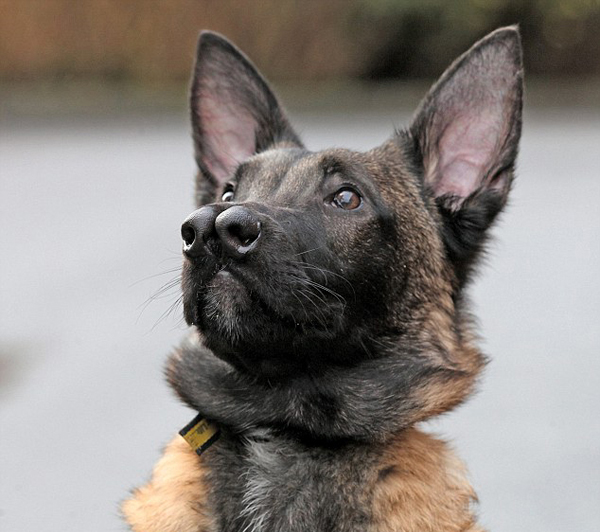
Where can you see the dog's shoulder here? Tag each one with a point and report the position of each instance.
(422, 485)
(175, 498)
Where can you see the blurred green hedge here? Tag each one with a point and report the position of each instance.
(153, 40)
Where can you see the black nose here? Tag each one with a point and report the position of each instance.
(237, 230)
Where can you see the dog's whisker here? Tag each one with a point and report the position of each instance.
(307, 251)
(362, 344)
(325, 272)
(154, 276)
(319, 314)
(161, 293)
(172, 307)
(316, 295)
(322, 288)
(301, 304)
(176, 255)
(318, 288)
(147, 303)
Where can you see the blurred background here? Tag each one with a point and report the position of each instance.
(96, 175)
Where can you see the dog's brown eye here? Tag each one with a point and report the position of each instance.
(346, 199)
(227, 195)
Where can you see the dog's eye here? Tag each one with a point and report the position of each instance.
(228, 194)
(346, 199)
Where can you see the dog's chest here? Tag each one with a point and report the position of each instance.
(266, 484)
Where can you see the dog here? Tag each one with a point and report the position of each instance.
(326, 295)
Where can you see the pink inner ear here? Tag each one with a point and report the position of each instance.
(229, 133)
(466, 150)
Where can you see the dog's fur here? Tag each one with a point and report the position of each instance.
(318, 350)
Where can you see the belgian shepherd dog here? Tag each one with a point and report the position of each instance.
(326, 296)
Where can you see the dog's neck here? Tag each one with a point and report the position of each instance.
(368, 402)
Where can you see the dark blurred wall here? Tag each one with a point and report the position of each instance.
(153, 40)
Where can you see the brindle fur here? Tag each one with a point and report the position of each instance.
(317, 399)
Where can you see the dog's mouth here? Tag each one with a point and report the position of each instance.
(238, 310)
(232, 297)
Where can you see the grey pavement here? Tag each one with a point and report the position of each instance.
(89, 231)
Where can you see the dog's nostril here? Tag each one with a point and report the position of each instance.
(245, 233)
(196, 230)
(188, 234)
(238, 229)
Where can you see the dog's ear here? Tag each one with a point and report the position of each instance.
(466, 133)
(234, 113)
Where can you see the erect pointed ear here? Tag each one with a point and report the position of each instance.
(467, 131)
(234, 113)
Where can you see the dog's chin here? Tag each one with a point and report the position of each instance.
(232, 319)
(225, 302)
(221, 308)
(245, 330)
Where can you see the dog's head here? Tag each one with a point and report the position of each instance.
(298, 260)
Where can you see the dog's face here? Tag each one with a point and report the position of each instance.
(298, 260)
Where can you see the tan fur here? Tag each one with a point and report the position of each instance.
(421, 487)
(174, 499)
(462, 368)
